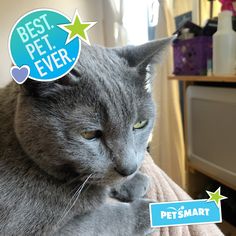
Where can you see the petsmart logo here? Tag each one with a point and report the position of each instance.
(182, 213)
(187, 212)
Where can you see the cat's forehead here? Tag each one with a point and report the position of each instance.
(106, 78)
(102, 70)
(99, 61)
(106, 89)
(103, 84)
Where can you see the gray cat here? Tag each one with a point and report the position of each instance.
(65, 146)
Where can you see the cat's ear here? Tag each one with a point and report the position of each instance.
(145, 54)
(37, 88)
(44, 89)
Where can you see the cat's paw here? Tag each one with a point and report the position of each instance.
(142, 217)
(132, 189)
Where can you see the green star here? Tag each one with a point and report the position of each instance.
(216, 196)
(77, 28)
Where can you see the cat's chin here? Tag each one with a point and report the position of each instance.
(110, 181)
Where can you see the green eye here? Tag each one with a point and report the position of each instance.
(140, 124)
(89, 135)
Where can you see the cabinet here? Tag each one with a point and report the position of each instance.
(197, 177)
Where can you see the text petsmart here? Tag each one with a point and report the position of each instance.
(184, 213)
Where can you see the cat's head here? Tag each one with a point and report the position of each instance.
(97, 119)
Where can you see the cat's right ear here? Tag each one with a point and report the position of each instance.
(37, 88)
(46, 88)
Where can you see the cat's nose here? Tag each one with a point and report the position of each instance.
(126, 171)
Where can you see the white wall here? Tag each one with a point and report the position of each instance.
(12, 10)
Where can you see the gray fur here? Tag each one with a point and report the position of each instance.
(44, 159)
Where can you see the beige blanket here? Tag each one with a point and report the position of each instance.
(164, 189)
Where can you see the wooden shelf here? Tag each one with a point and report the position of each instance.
(212, 176)
(203, 78)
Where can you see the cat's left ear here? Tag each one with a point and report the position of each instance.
(145, 54)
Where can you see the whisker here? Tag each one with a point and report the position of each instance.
(75, 198)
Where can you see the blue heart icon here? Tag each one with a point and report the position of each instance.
(20, 74)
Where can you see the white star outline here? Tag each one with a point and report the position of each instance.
(91, 24)
(209, 194)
